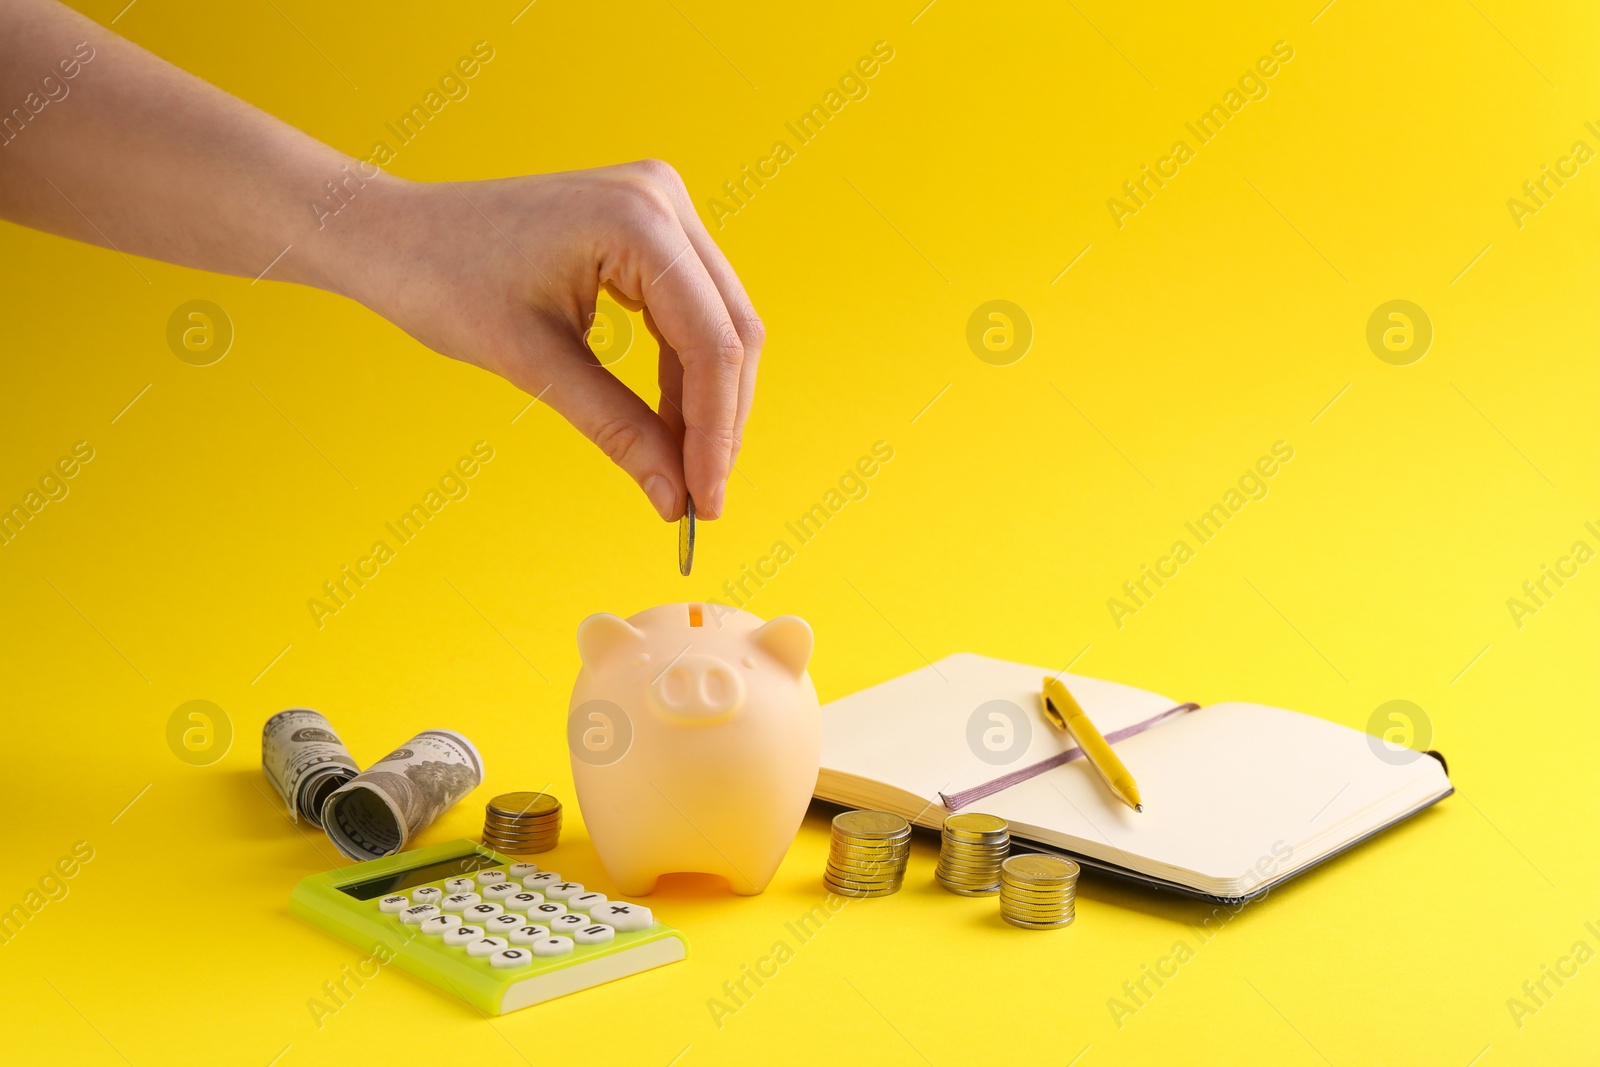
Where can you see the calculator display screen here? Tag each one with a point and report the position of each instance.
(433, 872)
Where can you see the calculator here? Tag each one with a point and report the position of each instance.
(499, 933)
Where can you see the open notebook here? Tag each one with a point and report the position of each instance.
(1237, 797)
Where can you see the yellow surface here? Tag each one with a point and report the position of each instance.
(1226, 315)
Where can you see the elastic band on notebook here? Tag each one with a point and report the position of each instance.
(957, 801)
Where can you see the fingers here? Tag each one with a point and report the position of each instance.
(752, 333)
(661, 267)
(566, 376)
(669, 377)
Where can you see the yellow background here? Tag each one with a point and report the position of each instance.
(1223, 317)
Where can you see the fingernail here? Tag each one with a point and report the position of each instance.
(716, 499)
(661, 495)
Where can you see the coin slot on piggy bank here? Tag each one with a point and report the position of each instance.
(695, 737)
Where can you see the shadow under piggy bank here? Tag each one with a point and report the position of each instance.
(695, 737)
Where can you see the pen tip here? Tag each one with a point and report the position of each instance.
(1138, 807)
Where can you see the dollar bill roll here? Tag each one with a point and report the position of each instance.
(305, 761)
(380, 810)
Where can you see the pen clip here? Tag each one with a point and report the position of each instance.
(1053, 714)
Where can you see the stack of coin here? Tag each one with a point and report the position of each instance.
(970, 853)
(1038, 892)
(522, 823)
(868, 855)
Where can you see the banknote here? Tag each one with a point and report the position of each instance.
(305, 761)
(388, 804)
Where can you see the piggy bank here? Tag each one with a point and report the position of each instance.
(695, 738)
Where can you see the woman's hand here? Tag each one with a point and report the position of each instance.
(504, 274)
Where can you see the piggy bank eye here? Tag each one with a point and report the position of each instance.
(749, 663)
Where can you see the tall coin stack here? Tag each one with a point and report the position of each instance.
(1038, 892)
(970, 853)
(522, 823)
(867, 857)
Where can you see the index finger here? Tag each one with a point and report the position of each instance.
(687, 307)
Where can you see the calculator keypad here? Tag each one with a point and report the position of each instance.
(527, 935)
(552, 946)
(486, 946)
(462, 935)
(511, 957)
(508, 917)
(585, 901)
(594, 934)
(502, 923)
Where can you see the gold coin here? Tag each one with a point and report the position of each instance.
(871, 824)
(861, 893)
(553, 831)
(514, 805)
(975, 823)
(686, 533)
(1034, 869)
(1026, 925)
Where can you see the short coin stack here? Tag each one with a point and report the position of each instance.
(1038, 892)
(522, 823)
(970, 853)
(868, 855)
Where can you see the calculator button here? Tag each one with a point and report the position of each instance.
(593, 934)
(501, 890)
(439, 924)
(624, 916)
(552, 946)
(427, 895)
(540, 880)
(548, 910)
(503, 923)
(562, 890)
(527, 935)
(396, 903)
(518, 871)
(460, 885)
(565, 924)
(414, 915)
(461, 935)
(460, 901)
(586, 901)
(522, 901)
(486, 946)
(486, 909)
(491, 876)
(511, 957)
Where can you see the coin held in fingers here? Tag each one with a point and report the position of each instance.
(686, 538)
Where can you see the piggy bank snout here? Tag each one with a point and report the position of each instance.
(699, 688)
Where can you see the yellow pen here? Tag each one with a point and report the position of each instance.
(1063, 711)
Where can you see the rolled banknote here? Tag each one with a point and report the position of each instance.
(378, 811)
(305, 761)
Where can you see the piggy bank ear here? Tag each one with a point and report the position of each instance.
(787, 639)
(602, 636)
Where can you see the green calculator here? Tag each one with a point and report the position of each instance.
(496, 932)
